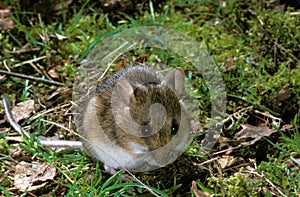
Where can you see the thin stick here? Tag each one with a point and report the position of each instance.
(11, 118)
(23, 50)
(22, 132)
(61, 143)
(31, 78)
(49, 110)
(29, 61)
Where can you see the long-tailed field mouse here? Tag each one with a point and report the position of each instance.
(136, 119)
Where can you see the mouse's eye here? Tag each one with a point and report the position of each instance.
(174, 128)
(146, 130)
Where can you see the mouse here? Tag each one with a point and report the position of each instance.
(136, 119)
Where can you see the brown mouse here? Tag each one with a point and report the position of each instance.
(136, 119)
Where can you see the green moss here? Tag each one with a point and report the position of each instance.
(234, 186)
(4, 147)
(282, 175)
(4, 167)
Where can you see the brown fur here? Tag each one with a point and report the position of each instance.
(127, 101)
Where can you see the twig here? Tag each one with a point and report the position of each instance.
(23, 50)
(49, 110)
(30, 61)
(61, 143)
(294, 13)
(12, 120)
(31, 78)
(39, 70)
(228, 149)
(58, 125)
(22, 132)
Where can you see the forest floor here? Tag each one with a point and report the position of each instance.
(254, 46)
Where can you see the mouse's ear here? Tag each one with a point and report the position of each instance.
(176, 80)
(125, 90)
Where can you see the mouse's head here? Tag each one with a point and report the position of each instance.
(149, 112)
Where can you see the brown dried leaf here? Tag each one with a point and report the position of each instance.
(199, 193)
(224, 141)
(282, 95)
(4, 10)
(23, 110)
(256, 133)
(227, 161)
(5, 21)
(33, 176)
(286, 127)
(53, 74)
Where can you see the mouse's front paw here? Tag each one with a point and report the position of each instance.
(111, 170)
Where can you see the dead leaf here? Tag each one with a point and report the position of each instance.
(197, 192)
(5, 21)
(286, 127)
(227, 161)
(33, 176)
(252, 132)
(4, 10)
(282, 95)
(53, 74)
(60, 37)
(224, 141)
(23, 110)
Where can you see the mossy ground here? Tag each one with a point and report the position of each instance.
(255, 46)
